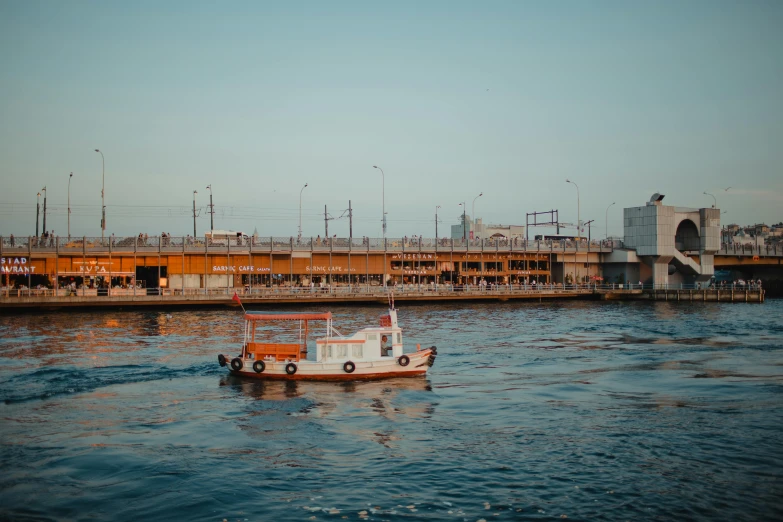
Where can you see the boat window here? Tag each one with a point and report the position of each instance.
(372, 337)
(342, 350)
(328, 351)
(399, 338)
(358, 350)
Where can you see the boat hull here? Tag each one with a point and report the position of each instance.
(419, 363)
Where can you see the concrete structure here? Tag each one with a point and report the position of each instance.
(478, 230)
(678, 245)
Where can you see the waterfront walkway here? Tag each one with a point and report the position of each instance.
(20, 300)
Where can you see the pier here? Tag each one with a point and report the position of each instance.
(21, 300)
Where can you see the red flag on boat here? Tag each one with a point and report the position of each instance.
(236, 298)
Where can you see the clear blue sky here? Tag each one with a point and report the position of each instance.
(451, 98)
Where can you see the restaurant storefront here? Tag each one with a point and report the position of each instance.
(197, 270)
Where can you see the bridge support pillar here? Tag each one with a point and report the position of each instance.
(707, 265)
(660, 270)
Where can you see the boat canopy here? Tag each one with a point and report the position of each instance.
(287, 316)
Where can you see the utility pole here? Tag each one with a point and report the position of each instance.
(103, 186)
(37, 213)
(194, 213)
(44, 223)
(436, 222)
(69, 206)
(350, 221)
(327, 217)
(211, 209)
(464, 223)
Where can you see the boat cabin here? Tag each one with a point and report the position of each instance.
(256, 328)
(369, 344)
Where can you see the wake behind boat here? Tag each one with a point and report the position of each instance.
(371, 353)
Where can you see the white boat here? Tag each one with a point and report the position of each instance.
(374, 352)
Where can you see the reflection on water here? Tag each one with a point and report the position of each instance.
(576, 409)
(281, 390)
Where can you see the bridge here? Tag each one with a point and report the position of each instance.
(109, 270)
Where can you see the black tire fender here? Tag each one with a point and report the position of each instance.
(349, 367)
(259, 366)
(222, 360)
(404, 360)
(290, 368)
(236, 364)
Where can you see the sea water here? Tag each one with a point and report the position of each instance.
(590, 411)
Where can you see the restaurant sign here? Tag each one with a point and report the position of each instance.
(16, 265)
(243, 269)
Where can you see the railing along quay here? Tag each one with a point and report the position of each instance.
(63, 298)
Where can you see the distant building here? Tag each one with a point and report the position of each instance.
(478, 230)
(746, 239)
(757, 230)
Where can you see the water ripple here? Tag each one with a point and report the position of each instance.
(533, 410)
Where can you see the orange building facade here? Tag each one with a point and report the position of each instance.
(237, 268)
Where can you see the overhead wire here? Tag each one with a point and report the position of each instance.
(166, 211)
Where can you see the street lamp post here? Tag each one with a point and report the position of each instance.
(714, 205)
(69, 206)
(37, 212)
(103, 187)
(211, 210)
(473, 208)
(44, 223)
(194, 213)
(436, 222)
(589, 238)
(300, 211)
(383, 198)
(578, 210)
(606, 221)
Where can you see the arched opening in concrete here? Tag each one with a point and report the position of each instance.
(687, 236)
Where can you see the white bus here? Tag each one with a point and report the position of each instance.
(226, 237)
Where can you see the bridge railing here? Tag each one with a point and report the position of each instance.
(145, 243)
(733, 249)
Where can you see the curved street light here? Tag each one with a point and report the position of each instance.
(606, 221)
(300, 210)
(714, 201)
(383, 198)
(103, 186)
(578, 210)
(473, 207)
